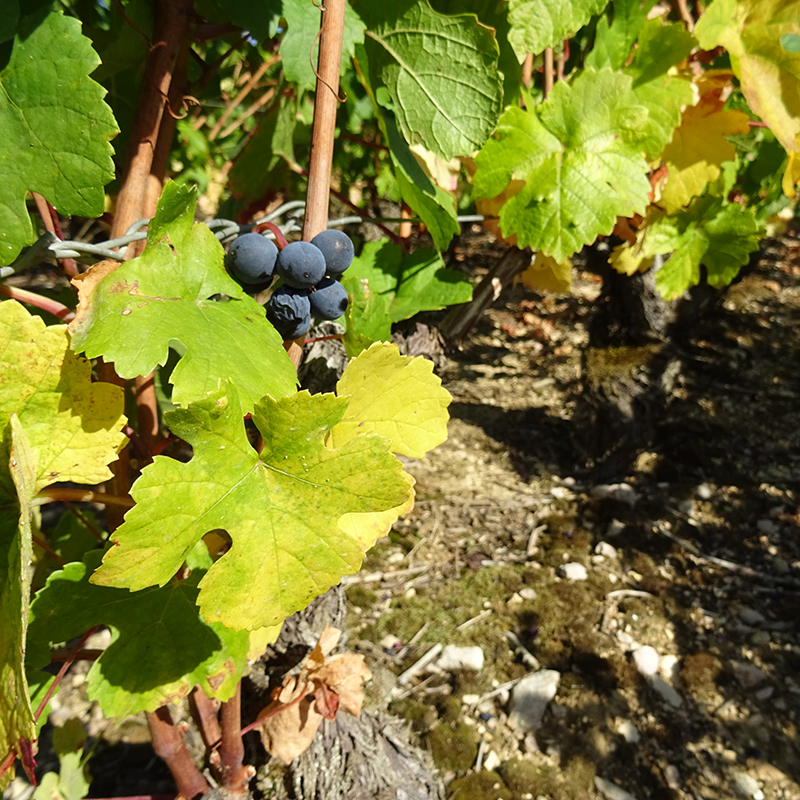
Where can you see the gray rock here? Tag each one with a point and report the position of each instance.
(615, 528)
(747, 786)
(751, 617)
(605, 549)
(766, 526)
(748, 675)
(530, 698)
(611, 790)
(623, 492)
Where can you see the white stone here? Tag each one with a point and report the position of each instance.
(646, 660)
(623, 492)
(747, 786)
(573, 571)
(454, 657)
(390, 642)
(615, 528)
(628, 731)
(470, 699)
(530, 698)
(527, 593)
(704, 491)
(605, 549)
(611, 790)
(668, 667)
(672, 776)
(492, 761)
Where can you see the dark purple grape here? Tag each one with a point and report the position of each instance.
(301, 265)
(289, 310)
(337, 249)
(329, 300)
(250, 260)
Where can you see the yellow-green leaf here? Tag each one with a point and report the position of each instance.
(410, 408)
(75, 424)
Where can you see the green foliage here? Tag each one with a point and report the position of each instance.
(54, 127)
(440, 72)
(170, 293)
(579, 154)
(536, 24)
(156, 627)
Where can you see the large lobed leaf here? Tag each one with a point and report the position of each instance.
(280, 507)
(54, 127)
(160, 645)
(441, 72)
(74, 424)
(130, 314)
(758, 35)
(537, 24)
(580, 156)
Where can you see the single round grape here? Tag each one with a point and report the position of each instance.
(328, 300)
(289, 310)
(301, 265)
(250, 260)
(337, 249)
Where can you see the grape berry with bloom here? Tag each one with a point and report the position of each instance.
(309, 271)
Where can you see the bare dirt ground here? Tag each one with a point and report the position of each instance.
(696, 555)
(693, 550)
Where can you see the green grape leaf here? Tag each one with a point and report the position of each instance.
(130, 314)
(440, 71)
(613, 40)
(74, 424)
(537, 24)
(157, 627)
(70, 782)
(720, 237)
(367, 315)
(16, 714)
(493, 15)
(661, 47)
(280, 507)
(580, 156)
(752, 31)
(410, 409)
(404, 285)
(54, 127)
(435, 206)
(303, 21)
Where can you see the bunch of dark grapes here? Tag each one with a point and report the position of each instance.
(310, 272)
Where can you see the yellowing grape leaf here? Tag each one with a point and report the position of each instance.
(17, 726)
(791, 176)
(490, 207)
(160, 646)
(326, 684)
(75, 425)
(580, 156)
(178, 290)
(280, 507)
(699, 146)
(545, 274)
(409, 408)
(755, 33)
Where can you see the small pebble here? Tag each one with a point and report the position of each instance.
(530, 698)
(605, 549)
(751, 617)
(780, 565)
(704, 492)
(760, 638)
(390, 642)
(765, 693)
(574, 571)
(766, 526)
(615, 528)
(686, 507)
(492, 761)
(748, 675)
(611, 790)
(454, 657)
(628, 731)
(623, 492)
(527, 593)
(747, 786)
(672, 776)
(646, 660)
